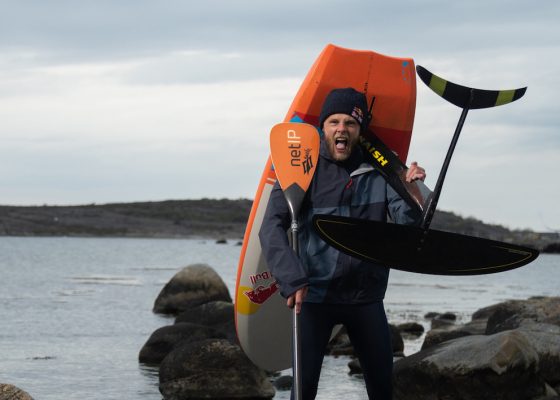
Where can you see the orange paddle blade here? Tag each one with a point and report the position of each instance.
(294, 148)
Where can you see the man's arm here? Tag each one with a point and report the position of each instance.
(399, 210)
(280, 258)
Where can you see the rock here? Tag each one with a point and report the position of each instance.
(449, 332)
(355, 367)
(219, 315)
(443, 320)
(396, 340)
(502, 366)
(512, 314)
(221, 241)
(284, 382)
(11, 392)
(545, 339)
(411, 328)
(341, 345)
(193, 285)
(212, 369)
(167, 338)
(551, 248)
(398, 350)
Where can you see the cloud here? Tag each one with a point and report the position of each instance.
(124, 101)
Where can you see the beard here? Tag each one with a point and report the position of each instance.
(341, 146)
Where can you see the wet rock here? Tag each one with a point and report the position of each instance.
(431, 315)
(449, 332)
(355, 367)
(552, 248)
(212, 369)
(167, 338)
(398, 350)
(11, 392)
(219, 315)
(193, 285)
(443, 320)
(503, 366)
(341, 345)
(411, 328)
(396, 340)
(545, 339)
(512, 314)
(284, 382)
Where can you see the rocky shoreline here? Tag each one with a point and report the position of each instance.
(204, 218)
(509, 350)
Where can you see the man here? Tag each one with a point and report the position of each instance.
(325, 286)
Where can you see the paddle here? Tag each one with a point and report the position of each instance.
(420, 249)
(294, 149)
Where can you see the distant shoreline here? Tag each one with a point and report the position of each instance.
(195, 219)
(210, 219)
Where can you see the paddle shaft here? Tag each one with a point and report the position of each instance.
(295, 321)
(434, 198)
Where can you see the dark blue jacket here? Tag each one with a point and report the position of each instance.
(352, 188)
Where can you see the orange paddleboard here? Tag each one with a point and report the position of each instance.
(263, 321)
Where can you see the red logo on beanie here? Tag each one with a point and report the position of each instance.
(358, 114)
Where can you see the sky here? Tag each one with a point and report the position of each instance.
(119, 100)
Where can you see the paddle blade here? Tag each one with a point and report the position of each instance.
(294, 149)
(412, 249)
(460, 95)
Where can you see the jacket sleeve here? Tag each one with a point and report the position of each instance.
(399, 210)
(280, 258)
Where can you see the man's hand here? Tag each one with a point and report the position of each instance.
(415, 172)
(297, 298)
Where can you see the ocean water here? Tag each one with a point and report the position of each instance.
(75, 312)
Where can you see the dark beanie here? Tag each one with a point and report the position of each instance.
(345, 101)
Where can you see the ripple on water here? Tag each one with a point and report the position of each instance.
(107, 280)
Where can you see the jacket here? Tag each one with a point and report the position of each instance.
(352, 188)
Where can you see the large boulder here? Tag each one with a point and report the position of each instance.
(193, 285)
(212, 369)
(508, 315)
(545, 339)
(504, 366)
(167, 338)
(514, 313)
(219, 315)
(11, 392)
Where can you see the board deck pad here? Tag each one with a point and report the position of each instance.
(263, 321)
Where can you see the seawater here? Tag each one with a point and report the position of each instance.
(75, 312)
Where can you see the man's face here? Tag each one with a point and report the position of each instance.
(341, 134)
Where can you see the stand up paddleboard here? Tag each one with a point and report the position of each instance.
(263, 321)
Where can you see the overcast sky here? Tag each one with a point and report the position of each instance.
(121, 100)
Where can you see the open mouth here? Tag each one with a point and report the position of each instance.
(341, 143)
